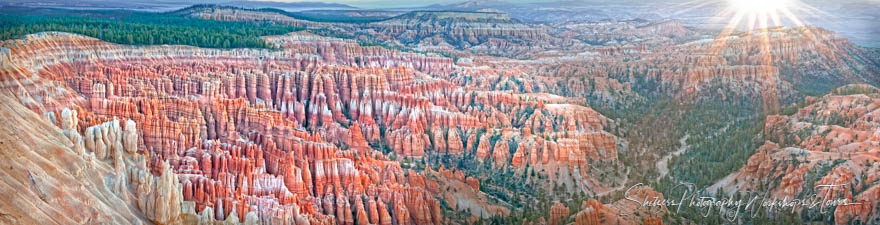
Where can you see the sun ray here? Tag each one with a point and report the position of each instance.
(759, 22)
(809, 9)
(775, 18)
(766, 56)
(696, 5)
(788, 14)
(721, 40)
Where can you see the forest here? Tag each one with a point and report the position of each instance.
(139, 28)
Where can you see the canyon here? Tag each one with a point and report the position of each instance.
(428, 117)
(287, 136)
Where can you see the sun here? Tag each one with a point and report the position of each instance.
(759, 6)
(758, 12)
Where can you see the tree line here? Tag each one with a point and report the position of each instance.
(139, 28)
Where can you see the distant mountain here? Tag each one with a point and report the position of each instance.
(552, 12)
(143, 5)
(165, 5)
(290, 6)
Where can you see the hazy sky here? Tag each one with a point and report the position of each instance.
(412, 3)
(395, 3)
(858, 20)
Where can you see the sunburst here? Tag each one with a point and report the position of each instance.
(761, 16)
(759, 7)
(751, 15)
(759, 20)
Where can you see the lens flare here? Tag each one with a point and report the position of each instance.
(758, 6)
(758, 22)
(758, 12)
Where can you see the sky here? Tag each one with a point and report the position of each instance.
(395, 3)
(858, 20)
(412, 3)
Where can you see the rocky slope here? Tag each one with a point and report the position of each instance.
(303, 134)
(50, 178)
(833, 140)
(478, 32)
(625, 211)
(487, 32)
(229, 13)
